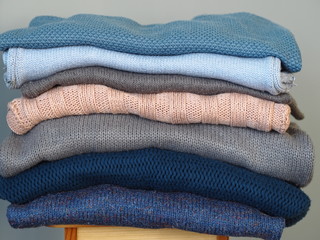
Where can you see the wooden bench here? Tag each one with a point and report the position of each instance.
(83, 232)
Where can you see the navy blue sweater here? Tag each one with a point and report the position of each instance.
(160, 170)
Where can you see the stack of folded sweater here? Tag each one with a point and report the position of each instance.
(181, 125)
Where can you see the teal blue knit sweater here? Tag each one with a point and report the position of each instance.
(238, 34)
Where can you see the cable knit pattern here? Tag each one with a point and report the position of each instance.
(258, 73)
(116, 206)
(238, 34)
(287, 156)
(163, 171)
(149, 83)
(234, 109)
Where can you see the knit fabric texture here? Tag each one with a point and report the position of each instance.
(238, 34)
(287, 156)
(163, 171)
(258, 73)
(233, 109)
(149, 83)
(116, 206)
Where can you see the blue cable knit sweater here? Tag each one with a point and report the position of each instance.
(238, 34)
(164, 171)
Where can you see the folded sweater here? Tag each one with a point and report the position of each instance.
(234, 109)
(238, 34)
(258, 73)
(116, 206)
(287, 156)
(149, 83)
(160, 170)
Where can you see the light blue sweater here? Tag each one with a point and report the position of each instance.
(257, 73)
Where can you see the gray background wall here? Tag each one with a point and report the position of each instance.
(301, 17)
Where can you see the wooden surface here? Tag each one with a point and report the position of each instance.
(83, 232)
(70, 233)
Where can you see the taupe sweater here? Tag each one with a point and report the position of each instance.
(287, 156)
(149, 83)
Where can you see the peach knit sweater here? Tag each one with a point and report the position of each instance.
(232, 109)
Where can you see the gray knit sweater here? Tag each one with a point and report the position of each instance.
(148, 83)
(286, 156)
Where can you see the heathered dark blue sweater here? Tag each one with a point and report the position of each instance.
(116, 206)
